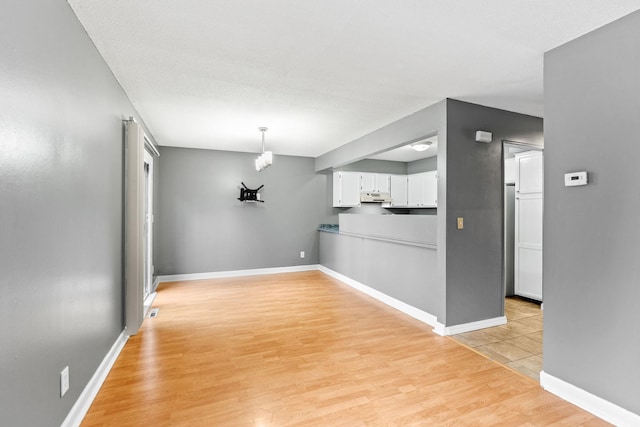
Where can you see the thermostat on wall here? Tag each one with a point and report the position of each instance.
(573, 179)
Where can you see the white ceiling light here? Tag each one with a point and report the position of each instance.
(421, 145)
(266, 158)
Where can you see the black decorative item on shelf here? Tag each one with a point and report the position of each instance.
(249, 195)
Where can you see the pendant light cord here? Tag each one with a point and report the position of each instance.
(263, 130)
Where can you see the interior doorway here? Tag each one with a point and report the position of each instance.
(523, 207)
(148, 231)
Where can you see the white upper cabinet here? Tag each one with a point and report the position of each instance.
(368, 182)
(418, 190)
(383, 180)
(375, 182)
(346, 189)
(398, 190)
(414, 190)
(423, 190)
(430, 190)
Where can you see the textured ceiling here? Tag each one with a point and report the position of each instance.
(207, 73)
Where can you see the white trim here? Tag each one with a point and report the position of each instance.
(599, 407)
(156, 281)
(82, 405)
(236, 273)
(474, 326)
(150, 147)
(440, 329)
(389, 240)
(134, 228)
(148, 222)
(148, 302)
(407, 309)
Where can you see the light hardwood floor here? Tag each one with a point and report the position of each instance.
(518, 344)
(302, 349)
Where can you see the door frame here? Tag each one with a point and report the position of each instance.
(525, 146)
(136, 145)
(149, 219)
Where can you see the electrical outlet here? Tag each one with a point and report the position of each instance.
(64, 381)
(301, 254)
(460, 223)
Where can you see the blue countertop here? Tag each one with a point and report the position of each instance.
(329, 228)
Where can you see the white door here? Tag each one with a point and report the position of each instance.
(528, 225)
(148, 224)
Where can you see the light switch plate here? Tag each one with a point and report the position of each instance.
(64, 381)
(460, 223)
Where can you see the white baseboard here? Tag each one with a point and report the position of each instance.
(414, 312)
(472, 326)
(407, 309)
(82, 405)
(599, 407)
(148, 302)
(236, 273)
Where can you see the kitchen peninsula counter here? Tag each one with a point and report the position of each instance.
(393, 254)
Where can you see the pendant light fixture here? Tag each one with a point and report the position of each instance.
(266, 158)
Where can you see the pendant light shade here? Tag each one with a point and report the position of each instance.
(266, 158)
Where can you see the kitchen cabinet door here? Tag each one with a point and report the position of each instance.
(383, 183)
(398, 190)
(346, 189)
(423, 190)
(415, 184)
(368, 182)
(430, 189)
(375, 182)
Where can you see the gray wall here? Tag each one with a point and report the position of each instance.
(202, 227)
(61, 164)
(381, 166)
(474, 187)
(404, 272)
(591, 237)
(423, 165)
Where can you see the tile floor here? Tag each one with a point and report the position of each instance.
(518, 344)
